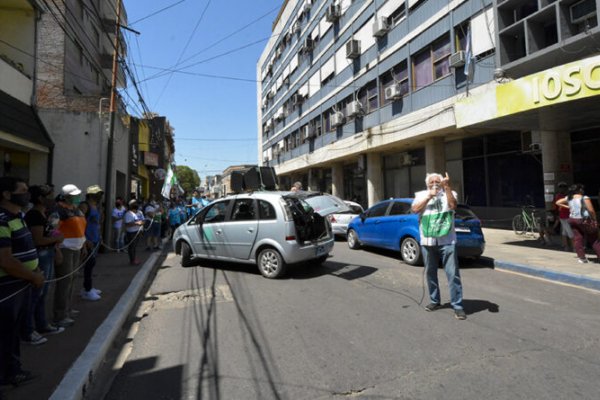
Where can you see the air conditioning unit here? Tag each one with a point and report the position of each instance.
(337, 118)
(307, 131)
(531, 142)
(269, 125)
(380, 26)
(458, 59)
(393, 92)
(582, 11)
(354, 108)
(333, 13)
(296, 28)
(535, 147)
(306, 6)
(352, 48)
(270, 94)
(308, 45)
(297, 99)
(279, 116)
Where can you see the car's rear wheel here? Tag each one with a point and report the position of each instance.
(186, 255)
(271, 264)
(352, 239)
(411, 251)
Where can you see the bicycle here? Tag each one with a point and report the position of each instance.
(527, 221)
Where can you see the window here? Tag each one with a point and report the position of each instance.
(368, 97)
(396, 75)
(266, 210)
(431, 63)
(460, 36)
(243, 210)
(399, 208)
(378, 210)
(216, 212)
(397, 15)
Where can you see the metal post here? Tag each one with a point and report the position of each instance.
(111, 130)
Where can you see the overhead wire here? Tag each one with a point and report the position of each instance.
(155, 13)
(200, 18)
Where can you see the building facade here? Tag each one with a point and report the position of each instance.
(363, 98)
(74, 66)
(25, 146)
(152, 150)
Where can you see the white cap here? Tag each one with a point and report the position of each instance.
(70, 190)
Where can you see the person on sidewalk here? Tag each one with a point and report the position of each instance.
(174, 218)
(93, 217)
(153, 213)
(435, 207)
(566, 233)
(72, 225)
(582, 218)
(18, 272)
(42, 227)
(118, 214)
(134, 224)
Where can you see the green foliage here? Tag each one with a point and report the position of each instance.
(188, 178)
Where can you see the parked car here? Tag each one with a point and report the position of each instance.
(270, 229)
(390, 224)
(340, 221)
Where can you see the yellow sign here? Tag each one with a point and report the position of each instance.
(567, 82)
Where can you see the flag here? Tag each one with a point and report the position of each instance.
(468, 55)
(170, 181)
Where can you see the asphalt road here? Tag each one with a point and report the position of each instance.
(356, 328)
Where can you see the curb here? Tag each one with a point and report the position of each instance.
(563, 277)
(75, 382)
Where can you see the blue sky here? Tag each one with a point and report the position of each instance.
(219, 113)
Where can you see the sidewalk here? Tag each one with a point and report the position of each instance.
(68, 361)
(55, 360)
(524, 254)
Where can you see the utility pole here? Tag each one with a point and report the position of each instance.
(111, 130)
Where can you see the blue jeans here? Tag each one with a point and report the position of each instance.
(36, 312)
(447, 254)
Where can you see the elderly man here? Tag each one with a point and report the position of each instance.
(435, 207)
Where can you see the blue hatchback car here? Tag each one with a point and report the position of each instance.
(390, 224)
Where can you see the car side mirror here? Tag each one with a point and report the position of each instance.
(362, 216)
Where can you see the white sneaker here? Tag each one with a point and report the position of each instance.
(97, 291)
(582, 261)
(91, 296)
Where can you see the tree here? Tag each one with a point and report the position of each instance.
(188, 178)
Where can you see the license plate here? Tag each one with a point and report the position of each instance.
(320, 250)
(461, 229)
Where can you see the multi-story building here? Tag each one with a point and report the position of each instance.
(74, 66)
(25, 147)
(363, 98)
(152, 151)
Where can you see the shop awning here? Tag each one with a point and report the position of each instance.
(19, 124)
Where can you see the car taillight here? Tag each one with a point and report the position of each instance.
(331, 219)
(289, 238)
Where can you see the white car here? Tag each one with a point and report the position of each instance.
(269, 229)
(339, 221)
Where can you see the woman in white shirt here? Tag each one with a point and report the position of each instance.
(118, 214)
(582, 218)
(134, 223)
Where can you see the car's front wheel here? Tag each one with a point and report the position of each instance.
(411, 251)
(352, 239)
(271, 264)
(186, 255)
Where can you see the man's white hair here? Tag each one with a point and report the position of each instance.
(432, 175)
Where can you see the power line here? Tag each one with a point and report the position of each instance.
(184, 50)
(155, 13)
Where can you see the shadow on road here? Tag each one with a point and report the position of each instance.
(475, 306)
(340, 270)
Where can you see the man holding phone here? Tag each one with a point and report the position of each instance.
(435, 207)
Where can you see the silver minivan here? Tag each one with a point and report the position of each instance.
(269, 229)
